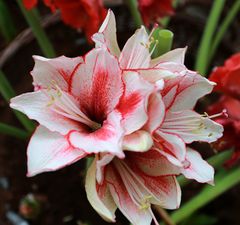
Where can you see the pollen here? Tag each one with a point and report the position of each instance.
(145, 202)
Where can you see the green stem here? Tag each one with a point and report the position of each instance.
(216, 161)
(13, 131)
(7, 26)
(223, 28)
(163, 40)
(34, 22)
(210, 28)
(7, 92)
(133, 7)
(224, 181)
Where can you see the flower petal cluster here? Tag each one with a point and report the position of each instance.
(77, 13)
(152, 10)
(227, 78)
(133, 113)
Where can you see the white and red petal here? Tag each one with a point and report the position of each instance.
(177, 56)
(197, 168)
(138, 141)
(153, 163)
(183, 91)
(133, 103)
(190, 126)
(156, 112)
(123, 199)
(50, 151)
(98, 84)
(37, 105)
(106, 36)
(99, 195)
(135, 53)
(164, 190)
(58, 71)
(108, 138)
(171, 146)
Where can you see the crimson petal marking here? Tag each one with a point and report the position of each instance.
(135, 54)
(36, 106)
(153, 163)
(171, 146)
(133, 104)
(99, 195)
(123, 200)
(106, 36)
(50, 151)
(198, 168)
(183, 92)
(97, 84)
(106, 139)
(50, 72)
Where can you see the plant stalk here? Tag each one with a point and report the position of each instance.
(210, 28)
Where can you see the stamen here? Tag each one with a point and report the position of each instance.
(223, 113)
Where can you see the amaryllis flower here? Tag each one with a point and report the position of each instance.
(153, 10)
(83, 106)
(227, 78)
(80, 14)
(134, 114)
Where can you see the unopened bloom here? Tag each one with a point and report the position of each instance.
(227, 78)
(153, 10)
(80, 14)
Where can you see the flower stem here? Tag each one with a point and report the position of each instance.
(7, 26)
(34, 22)
(163, 40)
(210, 28)
(224, 181)
(223, 28)
(216, 161)
(7, 92)
(13, 131)
(133, 7)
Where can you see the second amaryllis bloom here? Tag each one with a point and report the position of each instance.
(133, 114)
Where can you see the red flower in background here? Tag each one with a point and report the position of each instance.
(85, 14)
(227, 78)
(152, 10)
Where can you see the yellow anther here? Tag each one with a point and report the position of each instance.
(145, 202)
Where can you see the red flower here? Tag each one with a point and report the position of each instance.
(85, 14)
(227, 78)
(152, 10)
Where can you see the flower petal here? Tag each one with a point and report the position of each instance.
(57, 71)
(135, 54)
(198, 168)
(99, 195)
(133, 104)
(156, 112)
(153, 163)
(183, 92)
(177, 56)
(106, 36)
(108, 138)
(190, 126)
(134, 214)
(49, 151)
(171, 146)
(139, 141)
(97, 84)
(36, 106)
